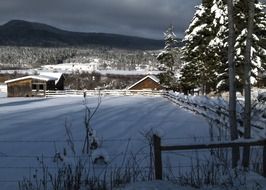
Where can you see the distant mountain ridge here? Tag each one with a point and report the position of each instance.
(24, 33)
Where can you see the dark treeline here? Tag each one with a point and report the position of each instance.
(91, 81)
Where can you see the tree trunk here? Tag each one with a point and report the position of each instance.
(247, 86)
(232, 83)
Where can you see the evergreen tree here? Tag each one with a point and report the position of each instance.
(206, 44)
(167, 58)
(258, 52)
(199, 67)
(219, 44)
(257, 49)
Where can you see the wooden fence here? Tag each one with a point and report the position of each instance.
(158, 149)
(106, 92)
(217, 113)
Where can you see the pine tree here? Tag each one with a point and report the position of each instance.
(199, 67)
(167, 58)
(258, 50)
(219, 44)
(212, 16)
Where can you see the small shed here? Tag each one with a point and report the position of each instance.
(29, 86)
(59, 82)
(149, 82)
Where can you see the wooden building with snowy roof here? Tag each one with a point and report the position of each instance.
(29, 86)
(149, 82)
(59, 82)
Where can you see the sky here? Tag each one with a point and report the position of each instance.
(144, 18)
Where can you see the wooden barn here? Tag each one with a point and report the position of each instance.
(59, 82)
(30, 86)
(149, 82)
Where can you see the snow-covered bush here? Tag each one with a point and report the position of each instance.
(100, 156)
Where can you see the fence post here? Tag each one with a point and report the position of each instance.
(157, 157)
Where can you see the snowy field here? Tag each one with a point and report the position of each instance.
(80, 67)
(32, 128)
(35, 127)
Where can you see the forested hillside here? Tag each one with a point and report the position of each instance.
(33, 57)
(24, 33)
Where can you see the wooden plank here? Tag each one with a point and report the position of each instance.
(215, 145)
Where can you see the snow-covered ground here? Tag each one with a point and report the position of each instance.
(154, 185)
(82, 67)
(35, 127)
(216, 109)
(73, 67)
(252, 184)
(32, 127)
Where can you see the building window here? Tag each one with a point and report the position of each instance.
(34, 86)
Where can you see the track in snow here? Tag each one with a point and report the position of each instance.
(25, 120)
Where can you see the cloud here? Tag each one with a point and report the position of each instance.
(147, 18)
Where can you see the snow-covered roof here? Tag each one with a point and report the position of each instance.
(54, 75)
(37, 77)
(152, 77)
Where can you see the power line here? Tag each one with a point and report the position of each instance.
(65, 141)
(105, 140)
